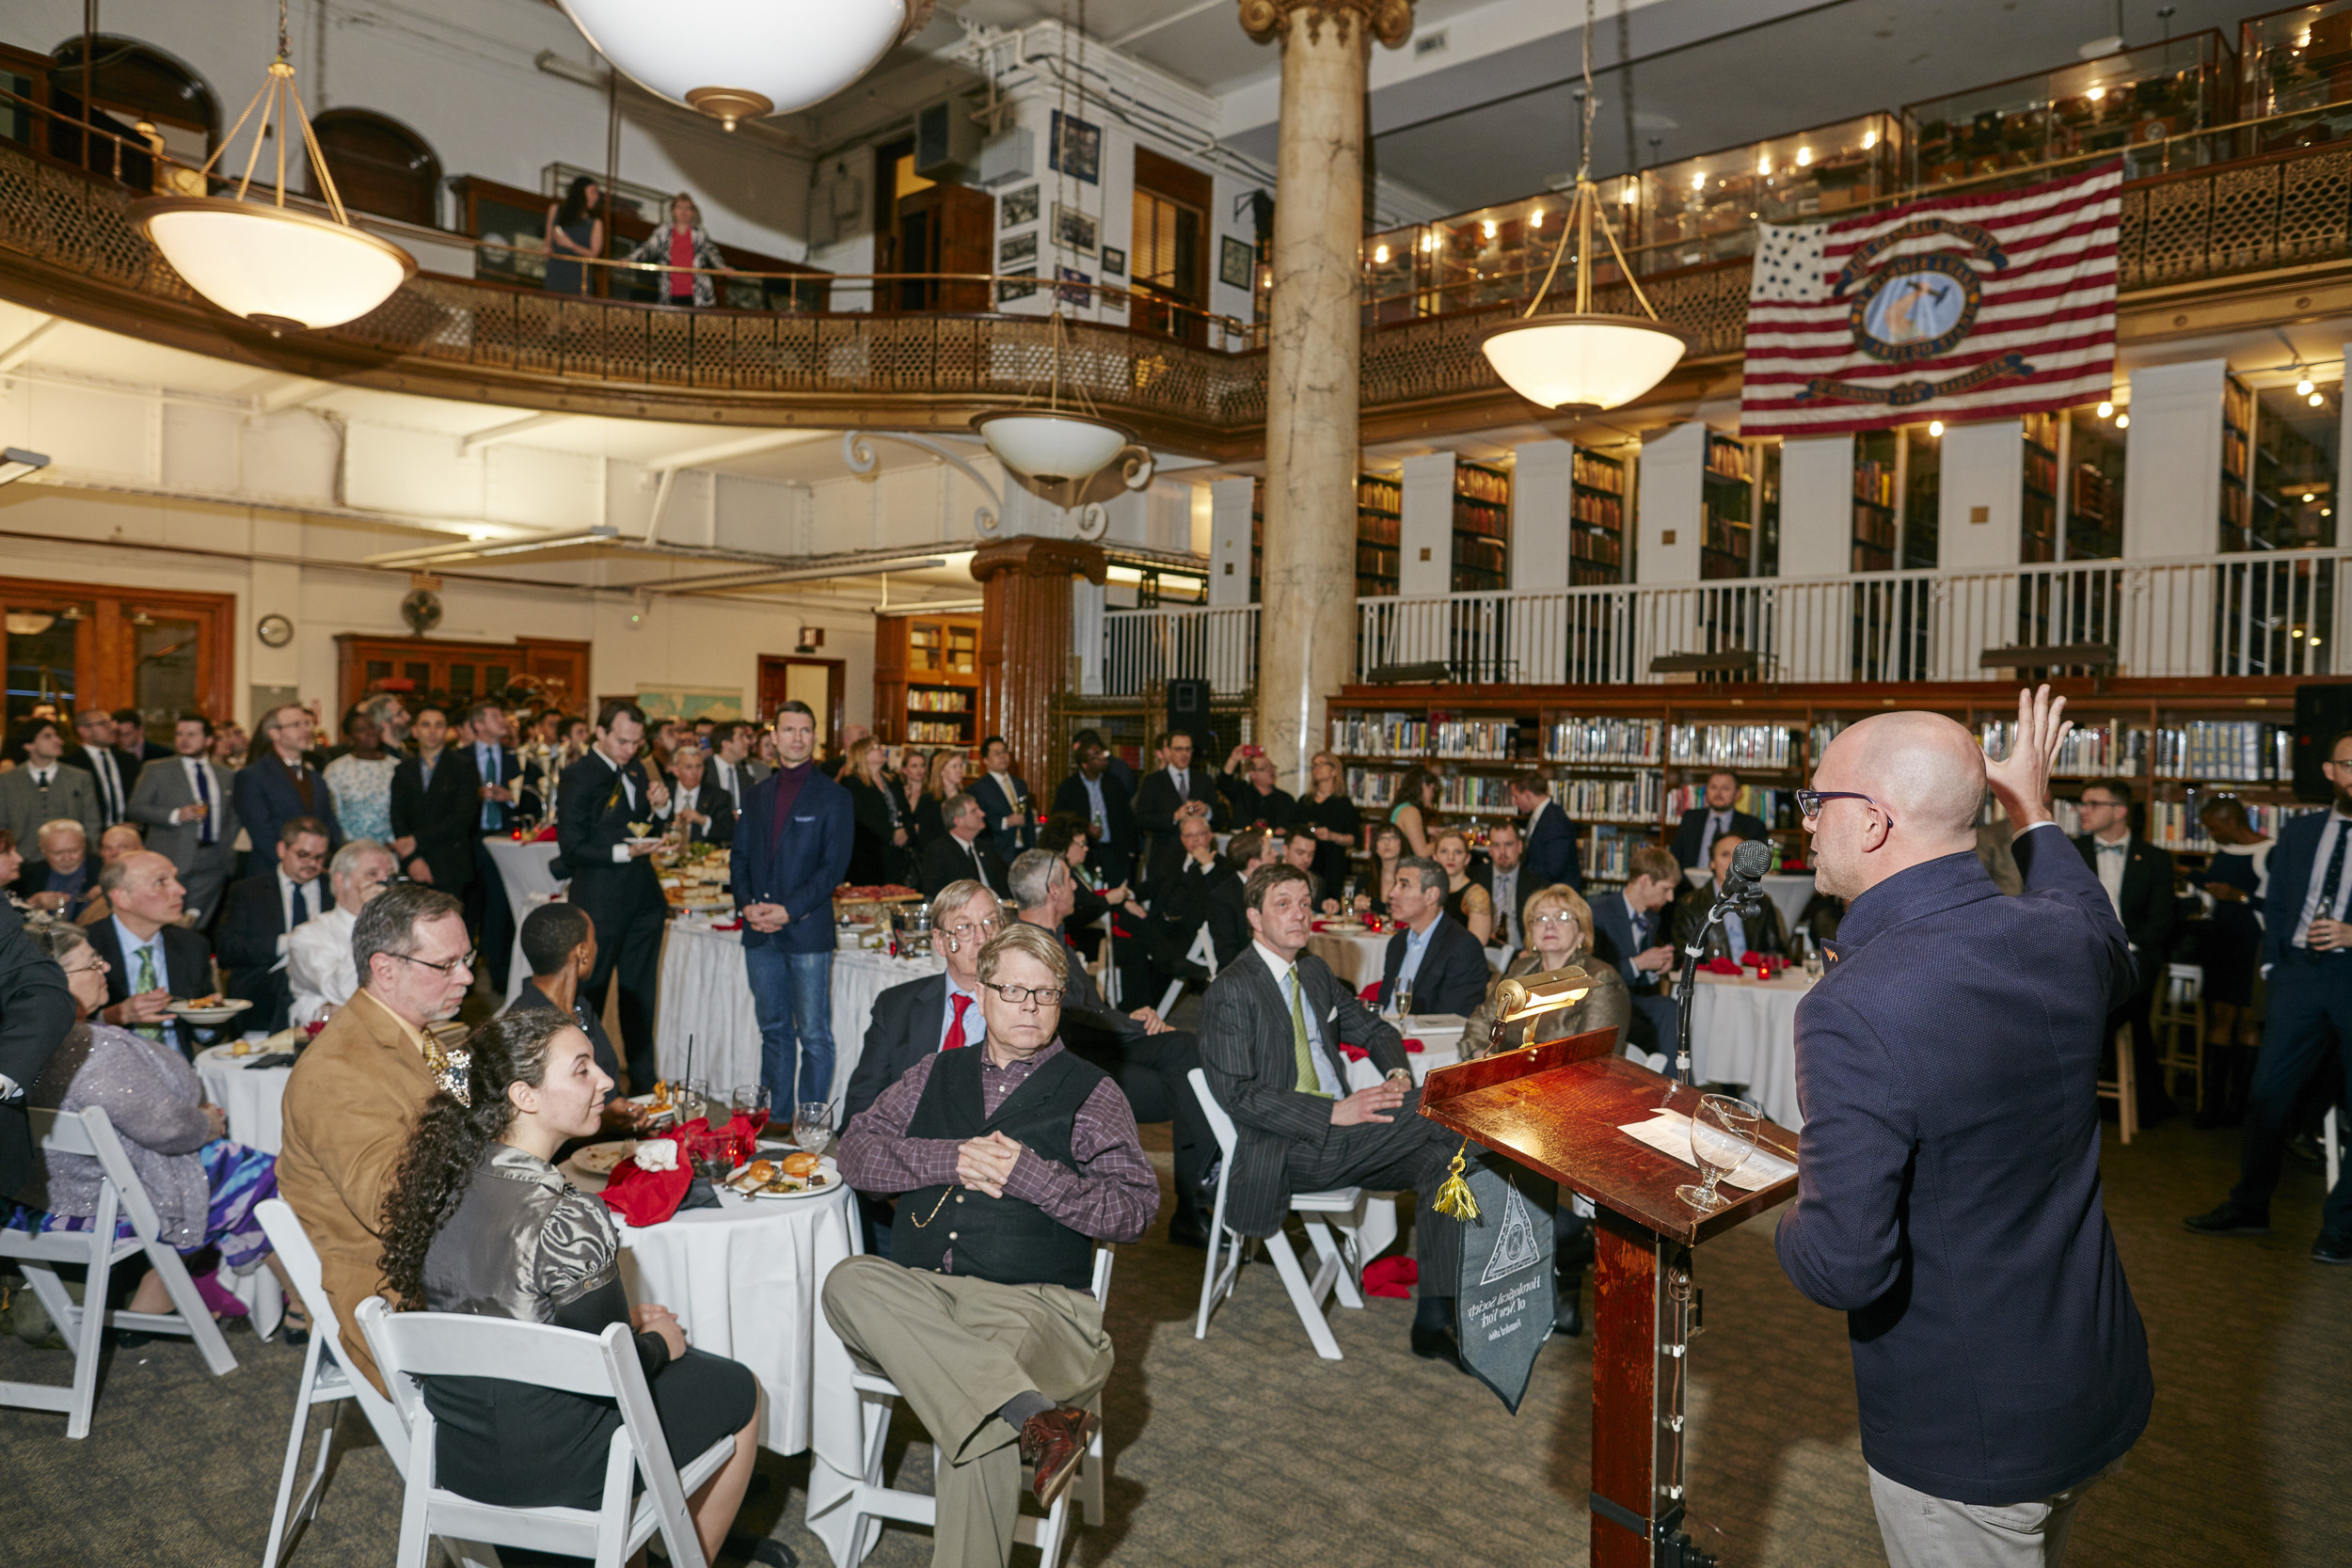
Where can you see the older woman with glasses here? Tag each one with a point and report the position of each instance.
(204, 1187)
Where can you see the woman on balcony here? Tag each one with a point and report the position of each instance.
(681, 242)
(574, 231)
(1416, 797)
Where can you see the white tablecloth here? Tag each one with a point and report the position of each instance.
(1440, 1037)
(1743, 1031)
(1356, 956)
(707, 996)
(1791, 894)
(528, 869)
(252, 1097)
(742, 1280)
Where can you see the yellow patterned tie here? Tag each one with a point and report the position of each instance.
(143, 965)
(1310, 1081)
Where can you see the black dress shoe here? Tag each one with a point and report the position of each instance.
(1188, 1233)
(1436, 1344)
(2333, 1247)
(2231, 1219)
(1567, 1312)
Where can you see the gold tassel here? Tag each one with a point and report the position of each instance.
(1453, 1196)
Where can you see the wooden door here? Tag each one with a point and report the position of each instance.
(817, 682)
(947, 228)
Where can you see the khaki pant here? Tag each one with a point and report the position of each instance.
(959, 1349)
(1922, 1531)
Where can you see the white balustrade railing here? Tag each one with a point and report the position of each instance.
(2273, 613)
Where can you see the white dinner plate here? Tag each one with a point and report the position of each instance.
(599, 1158)
(825, 1167)
(220, 1013)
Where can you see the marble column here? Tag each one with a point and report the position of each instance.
(1307, 616)
(1024, 644)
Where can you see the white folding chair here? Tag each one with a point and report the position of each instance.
(2180, 1009)
(1201, 952)
(874, 1500)
(2124, 1089)
(2331, 1144)
(412, 1345)
(121, 1195)
(1337, 1263)
(326, 1381)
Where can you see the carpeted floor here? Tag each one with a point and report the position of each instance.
(1246, 1449)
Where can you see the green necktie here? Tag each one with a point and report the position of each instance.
(1310, 1081)
(144, 977)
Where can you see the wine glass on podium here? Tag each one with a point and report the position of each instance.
(1722, 1135)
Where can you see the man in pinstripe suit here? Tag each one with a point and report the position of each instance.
(1271, 1030)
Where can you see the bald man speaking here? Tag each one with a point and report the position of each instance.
(1949, 1194)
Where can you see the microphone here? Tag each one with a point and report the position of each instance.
(1749, 863)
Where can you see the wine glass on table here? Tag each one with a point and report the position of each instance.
(812, 1125)
(1722, 1135)
(750, 1103)
(1403, 997)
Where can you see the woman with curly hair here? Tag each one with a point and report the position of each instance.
(480, 1221)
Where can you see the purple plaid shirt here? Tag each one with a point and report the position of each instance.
(1112, 1196)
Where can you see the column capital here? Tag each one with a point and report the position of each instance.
(1390, 21)
(1037, 555)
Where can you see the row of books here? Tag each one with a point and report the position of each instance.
(2098, 752)
(1727, 459)
(935, 735)
(1634, 798)
(919, 700)
(1371, 789)
(1600, 473)
(1378, 494)
(2243, 750)
(1488, 794)
(2173, 824)
(1629, 741)
(1599, 511)
(1608, 857)
(1596, 543)
(1483, 485)
(1731, 746)
(1477, 740)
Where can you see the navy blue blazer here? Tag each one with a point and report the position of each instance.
(1692, 829)
(1949, 1196)
(2291, 864)
(1550, 854)
(1453, 975)
(266, 800)
(800, 870)
(1113, 855)
(1006, 842)
(1614, 943)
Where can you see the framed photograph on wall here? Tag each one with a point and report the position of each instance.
(1077, 148)
(1017, 207)
(1006, 292)
(1114, 261)
(1075, 230)
(1016, 249)
(1235, 261)
(1074, 297)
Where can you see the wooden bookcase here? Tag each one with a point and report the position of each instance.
(926, 680)
(1728, 511)
(2038, 517)
(1596, 515)
(2237, 428)
(1874, 474)
(1481, 529)
(458, 672)
(1379, 512)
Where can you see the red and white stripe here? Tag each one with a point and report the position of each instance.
(2054, 303)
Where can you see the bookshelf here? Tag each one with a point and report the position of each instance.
(1874, 463)
(1597, 520)
(1481, 529)
(1379, 512)
(926, 679)
(2293, 490)
(2094, 503)
(1726, 511)
(2238, 425)
(2039, 518)
(1920, 477)
(1768, 509)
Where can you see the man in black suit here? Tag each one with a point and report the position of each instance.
(1271, 1028)
(1630, 930)
(1549, 855)
(920, 1017)
(2137, 877)
(1205, 894)
(277, 783)
(1508, 883)
(131, 738)
(151, 959)
(1095, 793)
(607, 808)
(1005, 804)
(1436, 953)
(697, 801)
(1762, 932)
(434, 795)
(1702, 825)
(1163, 797)
(1139, 1048)
(114, 771)
(961, 853)
(259, 917)
(499, 772)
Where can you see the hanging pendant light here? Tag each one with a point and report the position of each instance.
(1584, 358)
(275, 266)
(1058, 445)
(743, 60)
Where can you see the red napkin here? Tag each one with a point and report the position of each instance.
(644, 1197)
(736, 925)
(1390, 1277)
(1412, 1045)
(1721, 966)
(545, 836)
(1352, 1052)
(1370, 994)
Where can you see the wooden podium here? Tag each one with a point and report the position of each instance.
(1556, 1108)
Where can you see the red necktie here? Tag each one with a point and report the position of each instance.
(963, 1005)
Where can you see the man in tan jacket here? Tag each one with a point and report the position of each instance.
(353, 1099)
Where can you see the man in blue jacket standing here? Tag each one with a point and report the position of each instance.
(792, 849)
(1949, 1196)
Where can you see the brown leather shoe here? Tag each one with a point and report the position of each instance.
(1052, 1442)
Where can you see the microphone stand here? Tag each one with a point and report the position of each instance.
(1738, 893)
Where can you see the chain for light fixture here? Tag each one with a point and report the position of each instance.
(1586, 211)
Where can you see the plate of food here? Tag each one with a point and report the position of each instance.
(797, 1175)
(646, 841)
(600, 1158)
(214, 1008)
(1343, 927)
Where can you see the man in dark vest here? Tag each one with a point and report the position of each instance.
(1008, 1161)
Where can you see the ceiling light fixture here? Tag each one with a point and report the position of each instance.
(273, 264)
(2106, 411)
(2316, 399)
(744, 59)
(1064, 447)
(1935, 427)
(1582, 359)
(2122, 422)
(2303, 387)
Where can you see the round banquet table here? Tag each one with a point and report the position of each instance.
(528, 871)
(705, 996)
(253, 1097)
(1745, 1031)
(1789, 894)
(742, 1280)
(1356, 956)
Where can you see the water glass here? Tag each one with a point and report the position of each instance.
(1812, 960)
(1722, 1135)
(1403, 997)
(693, 1100)
(812, 1126)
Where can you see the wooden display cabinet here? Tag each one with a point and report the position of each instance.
(456, 673)
(926, 680)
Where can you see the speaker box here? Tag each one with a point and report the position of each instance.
(1187, 702)
(2322, 712)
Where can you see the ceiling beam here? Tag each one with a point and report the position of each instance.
(851, 564)
(498, 435)
(298, 394)
(22, 350)
(745, 446)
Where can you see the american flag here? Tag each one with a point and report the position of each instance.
(1962, 308)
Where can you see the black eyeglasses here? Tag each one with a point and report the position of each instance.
(1809, 800)
(464, 961)
(1044, 996)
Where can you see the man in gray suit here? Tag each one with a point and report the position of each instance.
(182, 801)
(1271, 1028)
(41, 788)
